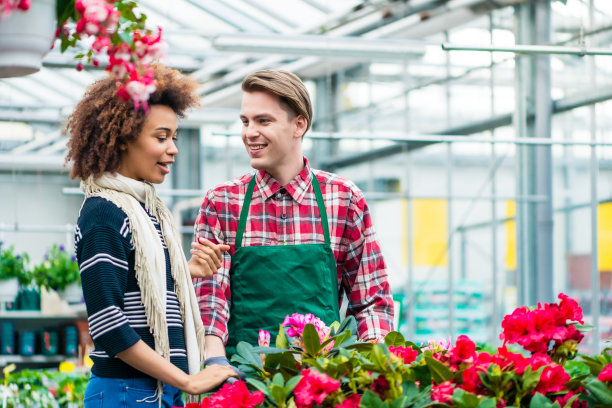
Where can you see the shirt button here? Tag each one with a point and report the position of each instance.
(279, 195)
(284, 216)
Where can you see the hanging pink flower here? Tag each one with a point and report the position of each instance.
(264, 338)
(7, 5)
(313, 388)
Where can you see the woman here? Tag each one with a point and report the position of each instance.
(143, 316)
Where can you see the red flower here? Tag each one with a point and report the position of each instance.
(570, 309)
(352, 401)
(408, 354)
(233, 395)
(471, 380)
(463, 352)
(553, 379)
(605, 375)
(192, 405)
(442, 392)
(562, 400)
(380, 386)
(313, 388)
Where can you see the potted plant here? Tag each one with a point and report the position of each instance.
(12, 273)
(116, 28)
(59, 271)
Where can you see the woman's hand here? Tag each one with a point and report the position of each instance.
(209, 378)
(206, 258)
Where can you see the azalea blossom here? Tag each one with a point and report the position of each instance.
(442, 392)
(605, 375)
(264, 338)
(295, 324)
(233, 395)
(406, 354)
(352, 401)
(313, 388)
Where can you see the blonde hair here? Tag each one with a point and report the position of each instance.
(287, 86)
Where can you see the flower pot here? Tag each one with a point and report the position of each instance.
(8, 290)
(25, 38)
(72, 294)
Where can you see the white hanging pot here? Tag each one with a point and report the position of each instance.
(9, 289)
(25, 38)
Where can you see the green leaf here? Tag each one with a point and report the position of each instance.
(464, 399)
(349, 323)
(281, 339)
(488, 403)
(439, 372)
(245, 350)
(278, 380)
(371, 400)
(258, 385)
(380, 357)
(398, 402)
(599, 391)
(291, 383)
(540, 401)
(394, 339)
(310, 337)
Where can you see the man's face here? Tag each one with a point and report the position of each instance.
(271, 135)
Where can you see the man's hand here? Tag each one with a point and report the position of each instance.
(206, 258)
(224, 362)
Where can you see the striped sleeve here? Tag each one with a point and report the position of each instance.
(103, 254)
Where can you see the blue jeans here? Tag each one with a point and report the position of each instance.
(102, 392)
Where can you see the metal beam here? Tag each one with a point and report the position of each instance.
(559, 106)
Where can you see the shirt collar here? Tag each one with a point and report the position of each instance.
(296, 188)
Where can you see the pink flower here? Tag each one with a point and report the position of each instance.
(233, 395)
(575, 404)
(442, 392)
(570, 309)
(264, 338)
(407, 354)
(295, 324)
(352, 401)
(313, 388)
(437, 346)
(605, 375)
(7, 5)
(553, 379)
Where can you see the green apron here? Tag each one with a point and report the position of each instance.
(270, 282)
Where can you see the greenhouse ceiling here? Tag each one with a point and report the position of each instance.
(219, 41)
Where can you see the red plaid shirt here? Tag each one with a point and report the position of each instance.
(289, 216)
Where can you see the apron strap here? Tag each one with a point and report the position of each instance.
(322, 211)
(244, 212)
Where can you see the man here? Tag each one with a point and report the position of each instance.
(297, 237)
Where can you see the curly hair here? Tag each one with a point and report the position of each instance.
(101, 122)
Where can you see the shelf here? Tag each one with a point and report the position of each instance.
(35, 359)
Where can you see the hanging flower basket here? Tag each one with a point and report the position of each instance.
(25, 38)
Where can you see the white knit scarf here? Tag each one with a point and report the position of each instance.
(150, 265)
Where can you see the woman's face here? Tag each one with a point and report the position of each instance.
(148, 158)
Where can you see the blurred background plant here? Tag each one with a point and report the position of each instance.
(58, 269)
(14, 265)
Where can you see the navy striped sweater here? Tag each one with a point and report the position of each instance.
(115, 312)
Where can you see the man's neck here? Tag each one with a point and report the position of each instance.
(285, 174)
